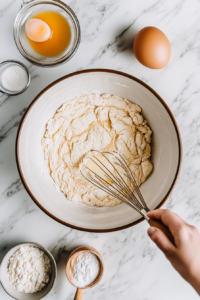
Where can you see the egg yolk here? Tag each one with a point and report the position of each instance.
(37, 30)
(48, 42)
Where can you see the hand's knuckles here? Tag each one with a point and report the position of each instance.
(194, 230)
(182, 229)
(166, 214)
(187, 233)
(167, 211)
(192, 233)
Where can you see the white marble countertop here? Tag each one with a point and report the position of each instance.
(134, 267)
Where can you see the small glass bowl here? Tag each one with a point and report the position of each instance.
(27, 11)
(6, 64)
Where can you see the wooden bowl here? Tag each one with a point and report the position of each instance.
(79, 292)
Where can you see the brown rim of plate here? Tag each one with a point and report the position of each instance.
(78, 73)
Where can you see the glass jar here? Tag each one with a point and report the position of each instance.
(3, 67)
(27, 11)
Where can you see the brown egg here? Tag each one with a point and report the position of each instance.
(152, 48)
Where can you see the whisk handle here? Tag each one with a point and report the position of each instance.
(158, 224)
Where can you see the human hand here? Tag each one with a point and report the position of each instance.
(185, 257)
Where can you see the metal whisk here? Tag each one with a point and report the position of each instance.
(110, 172)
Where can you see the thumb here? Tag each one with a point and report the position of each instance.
(162, 241)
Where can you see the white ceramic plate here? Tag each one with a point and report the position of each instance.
(166, 149)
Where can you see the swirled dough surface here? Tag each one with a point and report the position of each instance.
(101, 122)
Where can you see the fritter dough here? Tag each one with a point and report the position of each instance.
(101, 122)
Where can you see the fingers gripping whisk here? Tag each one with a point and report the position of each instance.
(110, 172)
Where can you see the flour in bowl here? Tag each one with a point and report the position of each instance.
(29, 269)
(95, 122)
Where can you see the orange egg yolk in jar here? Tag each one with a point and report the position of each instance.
(48, 33)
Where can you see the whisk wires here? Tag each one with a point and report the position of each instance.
(114, 177)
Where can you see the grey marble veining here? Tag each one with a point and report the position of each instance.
(134, 267)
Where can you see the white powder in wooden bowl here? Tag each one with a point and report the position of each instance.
(85, 267)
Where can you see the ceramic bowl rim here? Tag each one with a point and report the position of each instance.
(83, 72)
(45, 250)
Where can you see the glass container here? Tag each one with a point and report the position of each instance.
(27, 11)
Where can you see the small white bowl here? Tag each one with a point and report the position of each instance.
(8, 287)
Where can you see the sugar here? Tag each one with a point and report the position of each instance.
(84, 268)
(14, 78)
